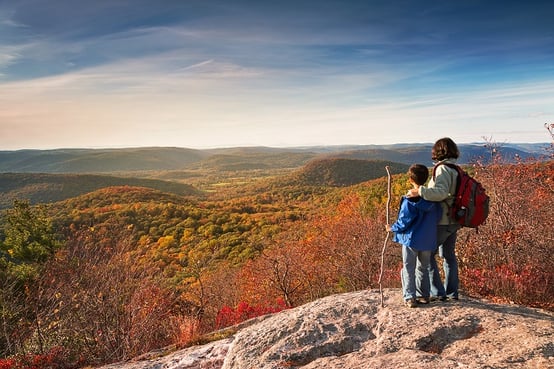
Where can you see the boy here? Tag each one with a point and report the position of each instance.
(416, 230)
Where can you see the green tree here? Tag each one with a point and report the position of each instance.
(28, 241)
(29, 235)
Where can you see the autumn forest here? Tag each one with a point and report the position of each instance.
(126, 267)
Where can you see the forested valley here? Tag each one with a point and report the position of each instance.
(122, 270)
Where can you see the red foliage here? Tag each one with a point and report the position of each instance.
(508, 282)
(228, 316)
(56, 358)
(510, 258)
(478, 279)
(7, 363)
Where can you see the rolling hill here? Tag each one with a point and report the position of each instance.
(46, 188)
(253, 160)
(341, 172)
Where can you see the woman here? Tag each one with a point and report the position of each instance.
(442, 187)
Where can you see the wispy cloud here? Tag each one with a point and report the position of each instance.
(197, 65)
(8, 56)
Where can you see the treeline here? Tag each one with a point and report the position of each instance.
(118, 272)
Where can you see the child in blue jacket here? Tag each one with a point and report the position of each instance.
(416, 230)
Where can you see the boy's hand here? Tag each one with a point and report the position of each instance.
(388, 228)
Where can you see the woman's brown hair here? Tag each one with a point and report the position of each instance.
(444, 148)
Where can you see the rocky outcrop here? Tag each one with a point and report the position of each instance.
(353, 330)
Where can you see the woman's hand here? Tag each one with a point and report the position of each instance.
(413, 193)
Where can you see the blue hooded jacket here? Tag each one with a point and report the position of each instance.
(417, 222)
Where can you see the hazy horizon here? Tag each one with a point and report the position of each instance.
(500, 144)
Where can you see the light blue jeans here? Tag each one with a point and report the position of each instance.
(415, 273)
(446, 238)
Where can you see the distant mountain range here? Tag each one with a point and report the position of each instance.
(46, 176)
(239, 158)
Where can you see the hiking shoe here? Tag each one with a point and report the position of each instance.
(438, 298)
(423, 300)
(411, 303)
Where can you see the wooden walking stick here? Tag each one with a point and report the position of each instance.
(386, 238)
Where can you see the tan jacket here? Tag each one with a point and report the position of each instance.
(442, 188)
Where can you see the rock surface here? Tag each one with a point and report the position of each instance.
(353, 330)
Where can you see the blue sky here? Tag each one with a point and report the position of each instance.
(220, 73)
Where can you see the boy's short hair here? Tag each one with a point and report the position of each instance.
(418, 173)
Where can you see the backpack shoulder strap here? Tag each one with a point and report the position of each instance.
(453, 166)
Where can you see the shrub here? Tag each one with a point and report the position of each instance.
(228, 316)
(511, 257)
(56, 358)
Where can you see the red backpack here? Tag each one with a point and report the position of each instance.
(471, 204)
